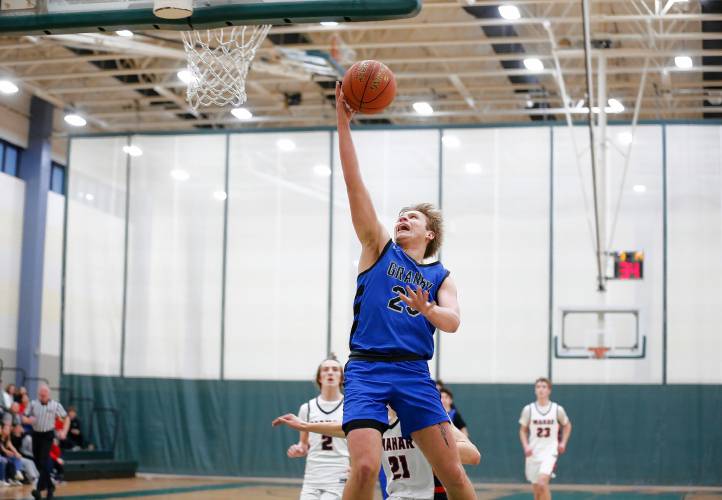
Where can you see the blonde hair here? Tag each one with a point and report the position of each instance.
(434, 223)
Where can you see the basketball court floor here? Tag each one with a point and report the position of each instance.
(172, 488)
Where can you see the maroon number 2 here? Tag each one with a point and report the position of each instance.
(397, 463)
(327, 443)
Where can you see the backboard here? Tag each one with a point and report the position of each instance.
(82, 16)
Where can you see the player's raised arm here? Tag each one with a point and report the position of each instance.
(369, 230)
(326, 428)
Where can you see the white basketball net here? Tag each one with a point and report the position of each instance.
(219, 61)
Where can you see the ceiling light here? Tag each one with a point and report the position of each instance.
(132, 150)
(186, 76)
(509, 12)
(89, 197)
(615, 106)
(472, 168)
(321, 170)
(683, 62)
(285, 144)
(423, 108)
(639, 188)
(124, 33)
(529, 103)
(75, 120)
(179, 174)
(450, 141)
(625, 138)
(329, 24)
(220, 195)
(8, 87)
(533, 64)
(242, 113)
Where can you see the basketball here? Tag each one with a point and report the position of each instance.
(369, 87)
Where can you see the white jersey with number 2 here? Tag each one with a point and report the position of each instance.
(408, 474)
(327, 461)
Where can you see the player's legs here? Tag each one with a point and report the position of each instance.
(542, 485)
(310, 493)
(439, 448)
(364, 447)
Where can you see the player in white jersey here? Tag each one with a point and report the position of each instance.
(540, 422)
(327, 461)
(408, 473)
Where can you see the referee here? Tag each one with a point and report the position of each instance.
(41, 414)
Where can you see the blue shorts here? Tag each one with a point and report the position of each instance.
(404, 385)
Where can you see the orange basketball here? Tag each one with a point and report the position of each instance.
(369, 87)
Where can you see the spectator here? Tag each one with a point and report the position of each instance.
(13, 466)
(20, 463)
(57, 462)
(22, 441)
(8, 396)
(12, 416)
(447, 399)
(75, 436)
(24, 402)
(20, 393)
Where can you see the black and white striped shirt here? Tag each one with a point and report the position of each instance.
(45, 414)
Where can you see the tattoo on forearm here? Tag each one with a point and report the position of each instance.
(443, 434)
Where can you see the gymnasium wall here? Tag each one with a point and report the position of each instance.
(175, 293)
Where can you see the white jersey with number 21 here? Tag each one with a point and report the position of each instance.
(408, 474)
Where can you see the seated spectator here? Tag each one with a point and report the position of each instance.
(447, 399)
(13, 466)
(24, 402)
(8, 396)
(58, 463)
(24, 468)
(19, 394)
(12, 416)
(22, 441)
(75, 438)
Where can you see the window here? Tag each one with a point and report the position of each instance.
(57, 178)
(9, 158)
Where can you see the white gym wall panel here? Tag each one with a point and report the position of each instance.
(95, 256)
(496, 207)
(694, 292)
(52, 275)
(175, 257)
(12, 206)
(277, 268)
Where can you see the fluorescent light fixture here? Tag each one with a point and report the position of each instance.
(220, 195)
(124, 33)
(450, 141)
(639, 188)
(75, 120)
(533, 64)
(472, 168)
(683, 62)
(186, 76)
(132, 150)
(321, 170)
(285, 145)
(423, 108)
(89, 197)
(625, 138)
(615, 106)
(509, 12)
(529, 103)
(329, 24)
(242, 113)
(179, 174)
(8, 87)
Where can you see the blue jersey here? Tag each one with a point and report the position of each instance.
(383, 323)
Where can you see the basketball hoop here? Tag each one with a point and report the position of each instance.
(598, 352)
(218, 61)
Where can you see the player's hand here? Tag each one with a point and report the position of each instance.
(297, 450)
(290, 420)
(561, 448)
(527, 451)
(417, 299)
(343, 112)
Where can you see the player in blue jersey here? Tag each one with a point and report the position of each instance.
(400, 301)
